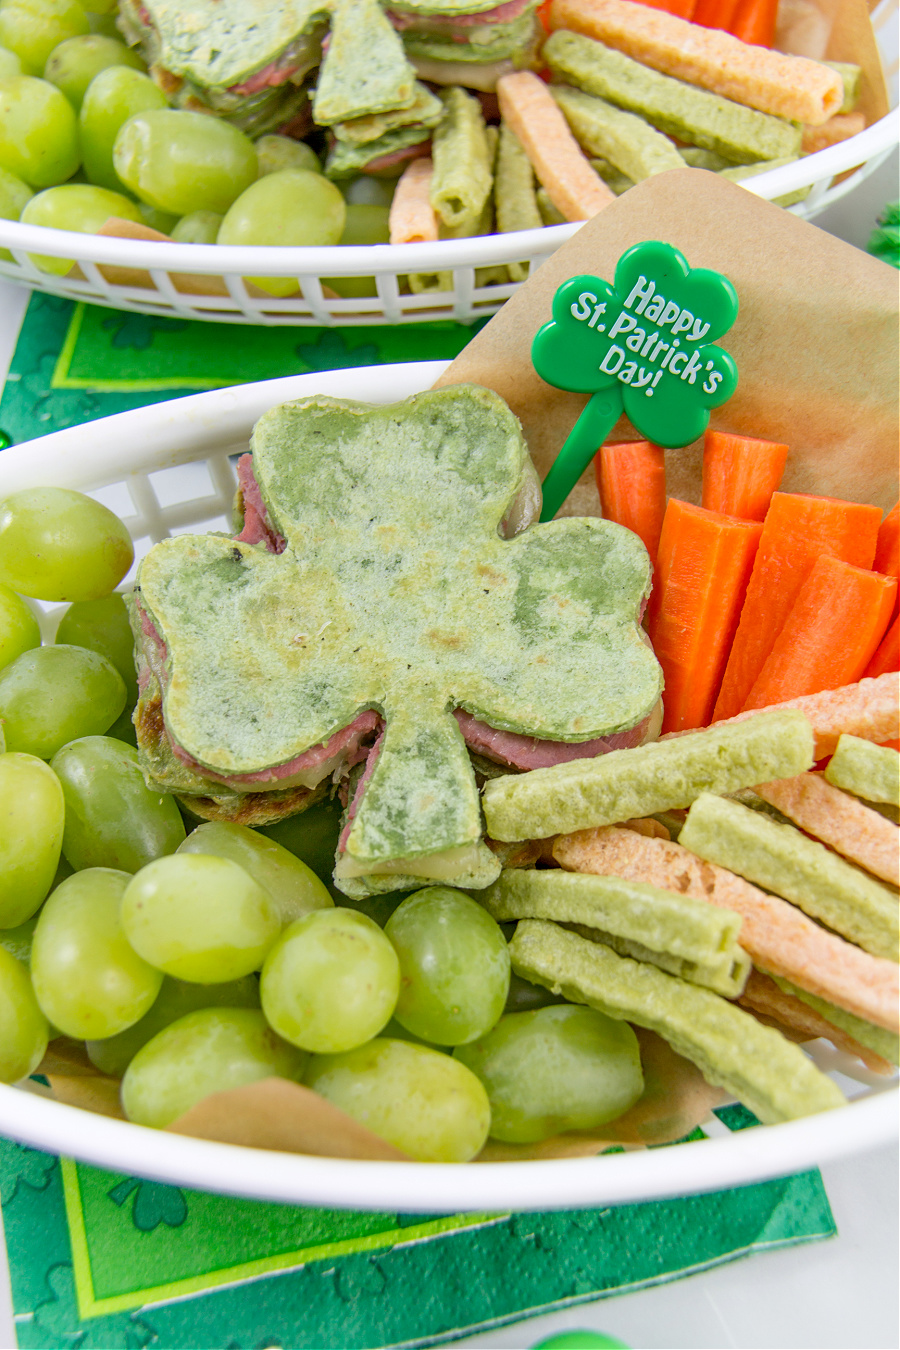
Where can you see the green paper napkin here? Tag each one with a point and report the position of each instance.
(100, 1259)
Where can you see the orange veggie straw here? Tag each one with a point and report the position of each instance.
(714, 13)
(838, 128)
(703, 566)
(787, 86)
(412, 219)
(754, 22)
(887, 550)
(796, 530)
(740, 474)
(869, 709)
(631, 480)
(777, 935)
(556, 157)
(887, 657)
(830, 635)
(839, 820)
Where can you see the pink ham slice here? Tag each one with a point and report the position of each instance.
(361, 785)
(398, 157)
(257, 529)
(504, 13)
(346, 742)
(528, 752)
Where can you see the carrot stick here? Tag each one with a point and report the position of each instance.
(887, 550)
(829, 636)
(703, 566)
(715, 13)
(740, 474)
(683, 9)
(754, 22)
(887, 657)
(631, 480)
(796, 530)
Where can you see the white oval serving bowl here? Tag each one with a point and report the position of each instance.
(166, 469)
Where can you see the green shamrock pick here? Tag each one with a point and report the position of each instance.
(395, 593)
(642, 346)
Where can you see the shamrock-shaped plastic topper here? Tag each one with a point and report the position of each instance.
(644, 346)
(396, 592)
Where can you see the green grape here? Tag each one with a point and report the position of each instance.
(175, 999)
(199, 918)
(56, 694)
(330, 982)
(275, 153)
(19, 629)
(56, 544)
(291, 207)
(113, 819)
(88, 979)
(366, 224)
(18, 940)
(211, 1050)
(366, 191)
(23, 1027)
(38, 132)
(32, 28)
(9, 63)
(74, 206)
(102, 626)
(415, 1098)
(454, 966)
(113, 96)
(14, 194)
(163, 221)
(524, 996)
(295, 889)
(312, 836)
(555, 1069)
(395, 1032)
(31, 811)
(73, 64)
(184, 161)
(198, 227)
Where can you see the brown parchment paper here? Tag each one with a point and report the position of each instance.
(815, 341)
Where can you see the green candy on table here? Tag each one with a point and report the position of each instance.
(581, 1340)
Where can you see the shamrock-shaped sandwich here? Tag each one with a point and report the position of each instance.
(382, 615)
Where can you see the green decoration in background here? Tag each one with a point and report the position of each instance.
(884, 242)
(643, 346)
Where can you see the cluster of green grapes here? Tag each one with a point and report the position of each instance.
(85, 135)
(193, 962)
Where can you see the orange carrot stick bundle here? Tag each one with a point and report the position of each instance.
(754, 22)
(797, 529)
(830, 635)
(631, 480)
(887, 657)
(740, 474)
(887, 550)
(703, 566)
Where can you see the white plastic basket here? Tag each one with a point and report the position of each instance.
(167, 469)
(458, 261)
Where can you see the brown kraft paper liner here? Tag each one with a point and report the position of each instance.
(815, 340)
(285, 1116)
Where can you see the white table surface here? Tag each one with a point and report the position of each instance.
(841, 1294)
